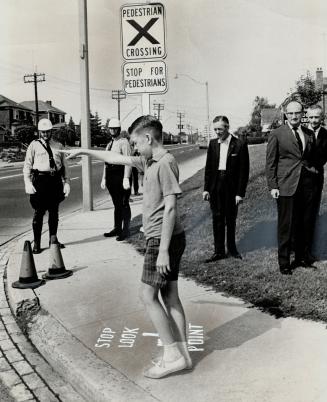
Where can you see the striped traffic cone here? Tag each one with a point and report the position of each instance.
(28, 278)
(57, 268)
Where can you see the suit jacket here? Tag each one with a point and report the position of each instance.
(320, 154)
(284, 160)
(237, 166)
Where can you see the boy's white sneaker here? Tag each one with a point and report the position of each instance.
(188, 360)
(162, 368)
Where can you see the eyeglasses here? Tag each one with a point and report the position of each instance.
(295, 113)
(220, 129)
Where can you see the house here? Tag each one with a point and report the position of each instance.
(269, 117)
(321, 85)
(47, 110)
(13, 114)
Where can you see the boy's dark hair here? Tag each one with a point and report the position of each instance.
(221, 118)
(148, 122)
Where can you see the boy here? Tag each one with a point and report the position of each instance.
(165, 241)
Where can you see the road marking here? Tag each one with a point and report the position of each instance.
(8, 177)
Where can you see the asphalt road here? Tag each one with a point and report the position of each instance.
(15, 209)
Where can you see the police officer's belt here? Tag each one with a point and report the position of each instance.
(45, 173)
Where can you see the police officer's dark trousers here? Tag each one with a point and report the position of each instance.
(120, 198)
(49, 193)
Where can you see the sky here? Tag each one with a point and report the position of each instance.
(243, 48)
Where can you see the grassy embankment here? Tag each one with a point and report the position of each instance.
(256, 278)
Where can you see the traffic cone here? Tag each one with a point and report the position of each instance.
(57, 268)
(28, 278)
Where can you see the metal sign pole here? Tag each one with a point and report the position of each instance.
(85, 107)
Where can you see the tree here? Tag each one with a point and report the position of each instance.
(255, 121)
(71, 124)
(97, 135)
(306, 89)
(25, 134)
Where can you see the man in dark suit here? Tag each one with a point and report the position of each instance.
(315, 116)
(225, 181)
(293, 182)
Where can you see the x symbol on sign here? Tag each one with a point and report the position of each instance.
(143, 31)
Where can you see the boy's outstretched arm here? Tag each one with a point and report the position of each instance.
(106, 156)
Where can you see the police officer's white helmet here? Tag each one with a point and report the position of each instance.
(44, 125)
(114, 123)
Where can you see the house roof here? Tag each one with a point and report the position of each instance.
(43, 107)
(6, 102)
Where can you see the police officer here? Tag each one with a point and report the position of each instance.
(117, 180)
(46, 179)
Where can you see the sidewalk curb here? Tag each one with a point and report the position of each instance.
(94, 379)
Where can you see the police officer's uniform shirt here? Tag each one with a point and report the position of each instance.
(120, 146)
(37, 158)
(223, 152)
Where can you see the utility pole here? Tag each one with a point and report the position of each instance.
(35, 78)
(158, 107)
(118, 94)
(85, 107)
(180, 116)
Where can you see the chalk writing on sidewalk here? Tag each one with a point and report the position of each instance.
(128, 337)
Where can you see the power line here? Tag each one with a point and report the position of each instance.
(35, 78)
(158, 107)
(118, 95)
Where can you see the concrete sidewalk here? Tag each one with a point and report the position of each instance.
(93, 329)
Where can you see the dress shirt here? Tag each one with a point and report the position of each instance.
(299, 130)
(223, 152)
(316, 131)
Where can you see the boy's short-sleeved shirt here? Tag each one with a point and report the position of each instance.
(161, 176)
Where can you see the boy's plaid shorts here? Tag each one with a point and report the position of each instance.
(150, 275)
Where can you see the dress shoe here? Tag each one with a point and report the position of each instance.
(285, 270)
(112, 233)
(236, 254)
(59, 244)
(309, 259)
(296, 264)
(121, 237)
(216, 257)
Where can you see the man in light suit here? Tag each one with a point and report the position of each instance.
(225, 181)
(315, 116)
(293, 182)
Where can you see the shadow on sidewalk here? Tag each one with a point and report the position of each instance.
(236, 332)
(87, 240)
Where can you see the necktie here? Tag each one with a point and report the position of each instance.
(298, 139)
(51, 160)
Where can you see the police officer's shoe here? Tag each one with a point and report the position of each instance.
(112, 233)
(122, 236)
(36, 249)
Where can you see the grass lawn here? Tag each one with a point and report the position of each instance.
(256, 278)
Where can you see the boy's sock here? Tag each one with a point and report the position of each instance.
(183, 347)
(171, 352)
